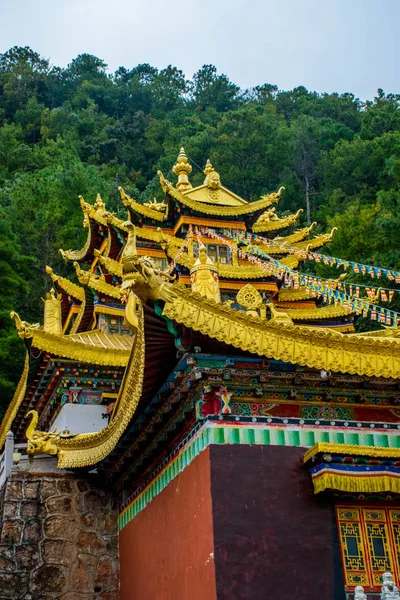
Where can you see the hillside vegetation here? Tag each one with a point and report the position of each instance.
(81, 130)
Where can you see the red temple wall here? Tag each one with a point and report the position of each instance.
(239, 523)
(166, 551)
(273, 538)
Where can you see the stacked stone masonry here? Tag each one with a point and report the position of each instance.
(59, 539)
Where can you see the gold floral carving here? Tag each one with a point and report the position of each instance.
(209, 209)
(249, 297)
(315, 347)
(325, 312)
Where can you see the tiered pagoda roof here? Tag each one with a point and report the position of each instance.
(133, 309)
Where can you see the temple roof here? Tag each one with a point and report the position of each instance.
(93, 346)
(216, 209)
(127, 281)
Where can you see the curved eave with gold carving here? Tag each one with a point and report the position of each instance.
(297, 236)
(286, 246)
(89, 449)
(277, 224)
(317, 242)
(97, 283)
(141, 209)
(70, 288)
(308, 346)
(290, 261)
(215, 209)
(95, 346)
(79, 254)
(225, 271)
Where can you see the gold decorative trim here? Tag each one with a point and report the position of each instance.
(325, 312)
(203, 221)
(109, 310)
(351, 450)
(277, 224)
(89, 449)
(317, 347)
(210, 209)
(15, 403)
(76, 291)
(341, 328)
(357, 484)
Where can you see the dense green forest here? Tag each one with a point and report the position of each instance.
(81, 130)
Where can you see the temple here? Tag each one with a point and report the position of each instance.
(189, 387)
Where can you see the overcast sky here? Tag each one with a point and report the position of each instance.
(325, 45)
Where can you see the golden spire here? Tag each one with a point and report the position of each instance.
(182, 168)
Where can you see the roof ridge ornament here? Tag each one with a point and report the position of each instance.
(212, 181)
(182, 168)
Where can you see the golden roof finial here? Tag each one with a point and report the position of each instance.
(208, 168)
(182, 168)
(212, 180)
(99, 204)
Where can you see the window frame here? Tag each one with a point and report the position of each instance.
(365, 518)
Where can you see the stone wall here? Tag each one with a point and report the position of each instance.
(58, 540)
